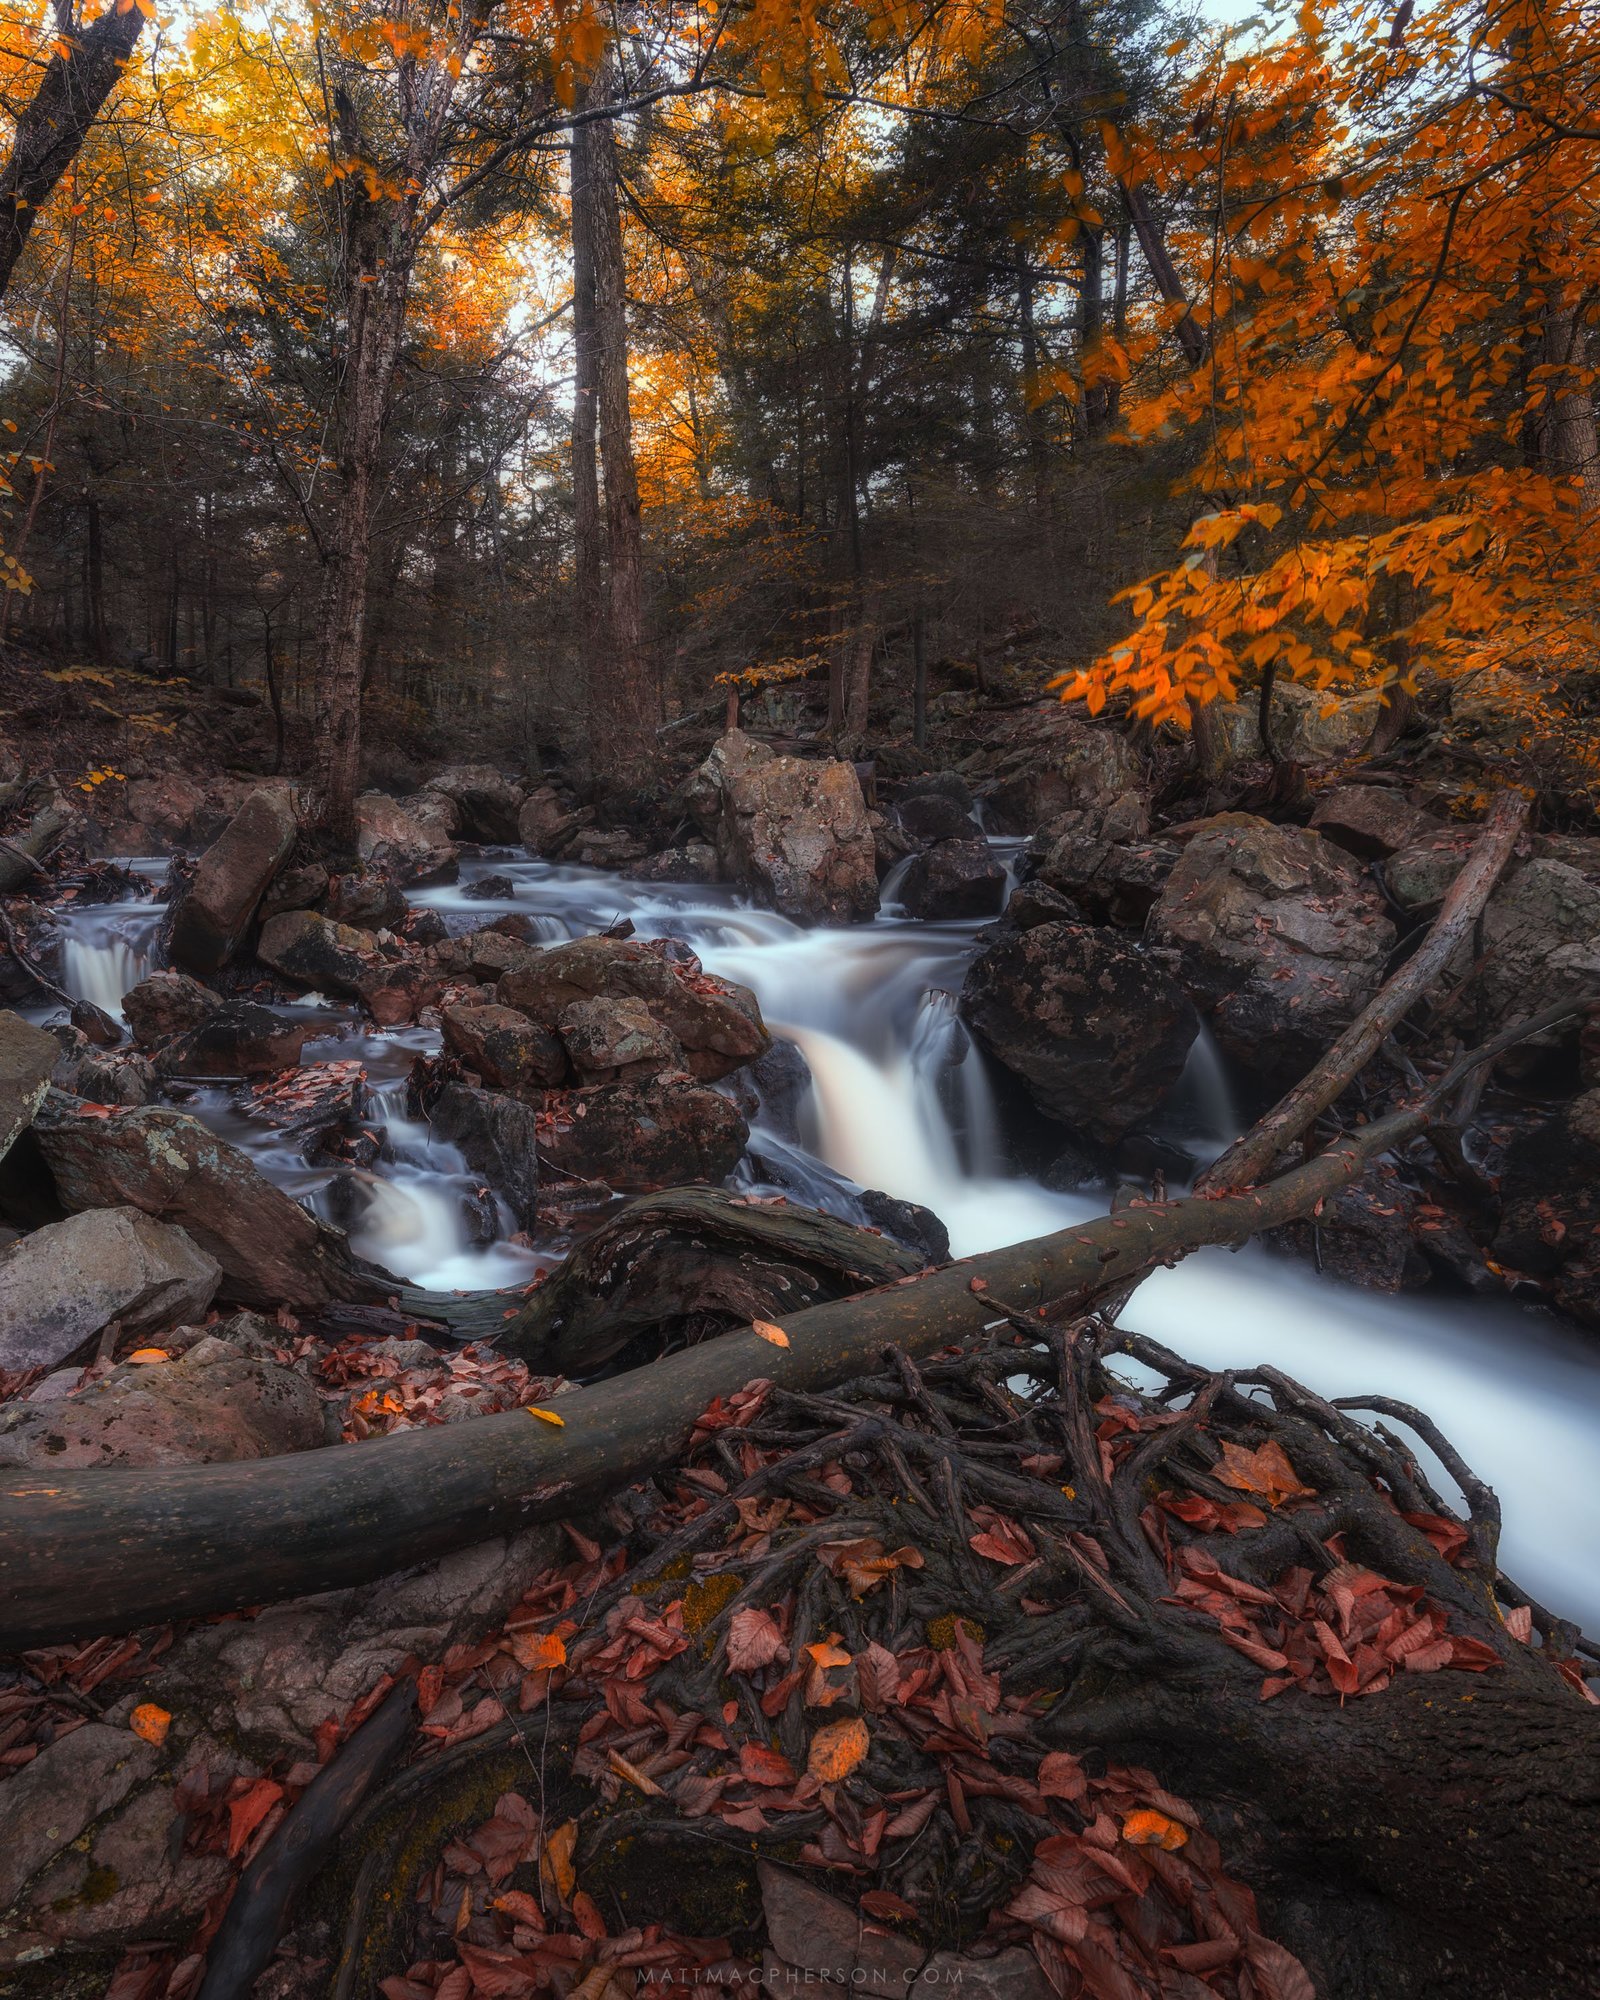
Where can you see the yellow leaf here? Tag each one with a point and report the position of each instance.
(555, 1864)
(774, 1335)
(836, 1750)
(143, 1354)
(547, 1417)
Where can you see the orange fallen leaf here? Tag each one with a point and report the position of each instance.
(535, 1650)
(547, 1417)
(1153, 1829)
(555, 1863)
(150, 1722)
(147, 1354)
(773, 1335)
(836, 1750)
(1266, 1471)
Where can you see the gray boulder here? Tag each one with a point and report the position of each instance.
(62, 1285)
(507, 1050)
(411, 842)
(607, 1040)
(489, 802)
(27, 1058)
(955, 880)
(234, 873)
(793, 830)
(168, 1004)
(1541, 944)
(315, 952)
(1282, 939)
(1097, 1033)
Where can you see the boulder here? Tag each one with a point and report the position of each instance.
(603, 847)
(240, 1039)
(497, 1135)
(1097, 1033)
(404, 841)
(1362, 1235)
(484, 954)
(937, 784)
(662, 1132)
(315, 952)
(168, 1165)
(794, 831)
(1418, 873)
(609, 1040)
(212, 1403)
(490, 889)
(27, 1057)
(233, 874)
(695, 861)
(298, 888)
(717, 1023)
(54, 1798)
(1282, 939)
(1371, 820)
(395, 991)
(1541, 944)
(489, 803)
(1549, 1225)
(507, 1050)
(1057, 762)
(544, 820)
(62, 1285)
(162, 812)
(100, 1076)
(1115, 882)
(932, 816)
(953, 881)
(368, 900)
(167, 1004)
(1309, 726)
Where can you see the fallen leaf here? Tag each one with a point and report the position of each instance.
(754, 1640)
(763, 1765)
(836, 1750)
(246, 1812)
(555, 1863)
(1153, 1829)
(1266, 1471)
(534, 1650)
(882, 1903)
(144, 1355)
(773, 1335)
(150, 1722)
(547, 1417)
(864, 1564)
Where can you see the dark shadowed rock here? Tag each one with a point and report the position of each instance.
(908, 1222)
(27, 1057)
(1282, 938)
(1550, 1207)
(932, 816)
(544, 820)
(1371, 820)
(717, 1023)
(369, 900)
(489, 802)
(211, 920)
(395, 991)
(103, 1076)
(1097, 1032)
(507, 1050)
(211, 1404)
(60, 1286)
(953, 881)
(497, 1134)
(659, 1133)
(1419, 873)
(484, 954)
(937, 785)
(695, 861)
(315, 952)
(298, 888)
(167, 1004)
(1362, 1235)
(490, 889)
(241, 1039)
(793, 830)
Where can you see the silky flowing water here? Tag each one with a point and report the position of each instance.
(900, 1100)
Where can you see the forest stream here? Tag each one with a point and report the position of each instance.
(901, 1100)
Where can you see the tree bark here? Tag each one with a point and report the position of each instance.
(587, 551)
(1158, 260)
(212, 1538)
(53, 127)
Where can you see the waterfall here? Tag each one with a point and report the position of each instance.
(106, 952)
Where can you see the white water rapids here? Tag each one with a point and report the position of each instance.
(901, 1101)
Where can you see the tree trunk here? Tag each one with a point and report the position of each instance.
(1158, 260)
(588, 554)
(51, 129)
(1091, 332)
(216, 1538)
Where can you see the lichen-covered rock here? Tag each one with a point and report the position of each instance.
(506, 1049)
(717, 1023)
(408, 844)
(1282, 939)
(240, 1039)
(489, 802)
(167, 1004)
(217, 909)
(663, 1131)
(954, 881)
(62, 1285)
(1098, 1034)
(793, 830)
(315, 952)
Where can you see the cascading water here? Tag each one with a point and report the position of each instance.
(107, 950)
(900, 1100)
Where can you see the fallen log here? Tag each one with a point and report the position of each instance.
(1250, 1157)
(20, 858)
(96, 1551)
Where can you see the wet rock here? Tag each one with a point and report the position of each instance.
(210, 1405)
(695, 861)
(1362, 1235)
(395, 991)
(1035, 903)
(485, 954)
(1096, 1031)
(908, 1222)
(167, 1004)
(298, 888)
(771, 1090)
(1549, 1225)
(497, 1134)
(932, 816)
(1419, 873)
(315, 952)
(1282, 939)
(210, 922)
(603, 847)
(544, 820)
(168, 1165)
(94, 1024)
(1371, 820)
(891, 844)
(953, 881)
(103, 1076)
(409, 845)
(506, 1049)
(608, 1041)
(61, 1792)
(241, 1039)
(717, 1023)
(27, 1058)
(663, 1132)
(369, 900)
(490, 889)
(1056, 763)
(489, 803)
(62, 1285)
(792, 830)
(1541, 945)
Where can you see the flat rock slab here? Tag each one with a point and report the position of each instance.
(60, 1286)
(27, 1056)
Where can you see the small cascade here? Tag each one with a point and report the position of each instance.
(1201, 1108)
(106, 952)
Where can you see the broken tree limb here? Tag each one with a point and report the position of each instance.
(103, 1550)
(20, 858)
(1252, 1155)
